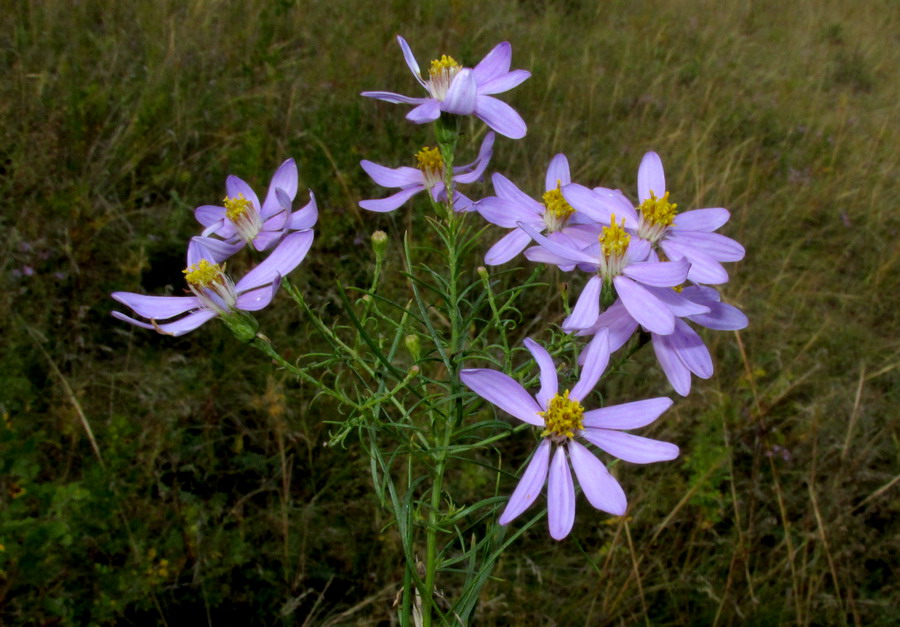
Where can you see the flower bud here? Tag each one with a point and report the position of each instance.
(482, 272)
(379, 244)
(413, 346)
(242, 325)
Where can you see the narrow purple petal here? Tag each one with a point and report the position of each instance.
(560, 496)
(389, 96)
(701, 293)
(719, 247)
(410, 59)
(285, 179)
(504, 392)
(627, 415)
(392, 177)
(558, 249)
(539, 254)
(676, 372)
(618, 322)
(721, 317)
(659, 273)
(211, 249)
(428, 111)
(600, 488)
(159, 307)
(595, 361)
(587, 307)
(176, 328)
(495, 63)
(631, 448)
(259, 298)
(549, 382)
(507, 190)
(460, 98)
(530, 484)
(235, 187)
(306, 217)
(557, 172)
(506, 213)
(280, 262)
(704, 269)
(390, 203)
(652, 314)
(504, 83)
(500, 117)
(707, 220)
(507, 247)
(473, 171)
(208, 215)
(691, 350)
(651, 177)
(677, 303)
(265, 240)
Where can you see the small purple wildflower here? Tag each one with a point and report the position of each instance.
(464, 91)
(214, 293)
(564, 421)
(243, 220)
(428, 175)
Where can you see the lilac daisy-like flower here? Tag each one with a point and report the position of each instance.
(429, 175)
(682, 352)
(564, 421)
(243, 220)
(687, 235)
(553, 215)
(214, 292)
(459, 90)
(617, 261)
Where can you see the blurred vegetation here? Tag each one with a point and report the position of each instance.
(213, 498)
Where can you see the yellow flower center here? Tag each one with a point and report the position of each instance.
(658, 211)
(431, 164)
(556, 203)
(235, 208)
(563, 417)
(203, 274)
(445, 64)
(614, 238)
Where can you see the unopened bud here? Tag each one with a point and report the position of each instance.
(482, 272)
(379, 244)
(413, 346)
(241, 324)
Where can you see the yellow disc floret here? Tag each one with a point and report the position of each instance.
(658, 211)
(445, 64)
(614, 238)
(558, 209)
(563, 417)
(203, 274)
(235, 208)
(431, 164)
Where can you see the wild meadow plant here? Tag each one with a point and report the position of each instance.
(401, 366)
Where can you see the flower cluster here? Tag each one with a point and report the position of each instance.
(241, 221)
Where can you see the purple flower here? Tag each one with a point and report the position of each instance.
(214, 293)
(464, 91)
(617, 260)
(243, 220)
(681, 352)
(428, 175)
(564, 421)
(554, 215)
(687, 235)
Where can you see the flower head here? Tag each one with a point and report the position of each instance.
(564, 424)
(243, 220)
(214, 292)
(427, 175)
(459, 90)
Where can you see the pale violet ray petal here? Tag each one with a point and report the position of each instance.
(558, 249)
(618, 322)
(691, 350)
(721, 317)
(631, 448)
(460, 98)
(382, 205)
(507, 190)
(504, 392)
(595, 361)
(704, 269)
(392, 177)
(503, 83)
(209, 215)
(587, 307)
(644, 307)
(677, 303)
(428, 111)
(410, 60)
(506, 213)
(265, 240)
(236, 187)
(286, 180)
(549, 379)
(500, 116)
(627, 415)
(280, 262)
(716, 245)
(259, 298)
(211, 249)
(707, 220)
(560, 496)
(676, 372)
(389, 96)
(494, 64)
(557, 172)
(473, 172)
(651, 177)
(539, 254)
(507, 247)
(159, 307)
(658, 273)
(306, 217)
(530, 484)
(600, 488)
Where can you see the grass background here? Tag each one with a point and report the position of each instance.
(216, 500)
